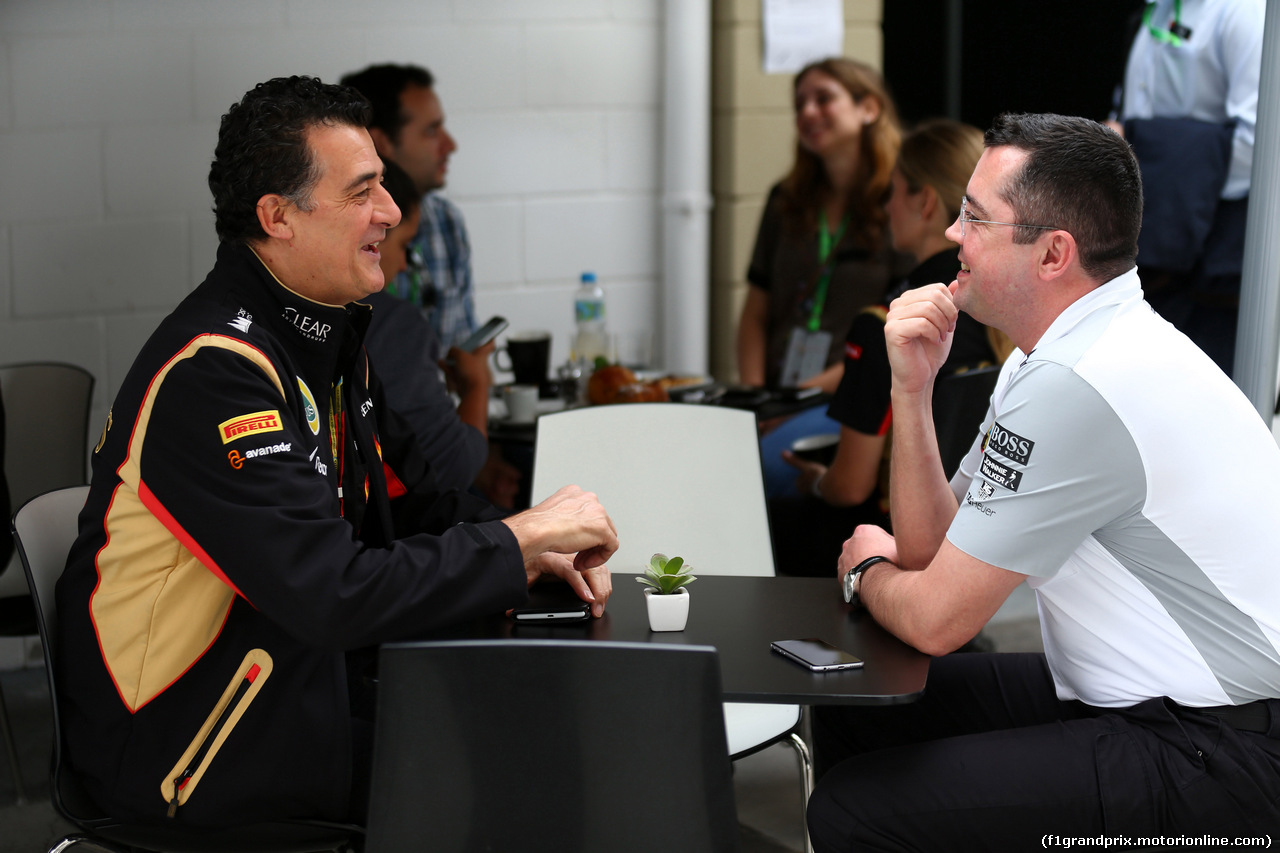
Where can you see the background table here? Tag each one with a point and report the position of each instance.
(740, 616)
(770, 405)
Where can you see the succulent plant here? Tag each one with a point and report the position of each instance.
(666, 574)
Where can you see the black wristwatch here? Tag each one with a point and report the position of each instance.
(851, 577)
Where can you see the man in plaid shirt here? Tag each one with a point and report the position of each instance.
(408, 128)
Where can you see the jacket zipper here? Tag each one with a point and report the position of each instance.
(180, 781)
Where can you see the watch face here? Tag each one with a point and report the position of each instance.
(849, 579)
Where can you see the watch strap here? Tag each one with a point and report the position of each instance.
(868, 563)
(856, 572)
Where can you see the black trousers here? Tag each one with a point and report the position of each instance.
(991, 759)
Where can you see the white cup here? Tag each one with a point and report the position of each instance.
(522, 403)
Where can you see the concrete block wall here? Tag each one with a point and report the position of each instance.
(753, 142)
(109, 112)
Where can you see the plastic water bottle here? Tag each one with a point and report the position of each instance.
(588, 311)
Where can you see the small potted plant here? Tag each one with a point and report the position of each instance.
(665, 595)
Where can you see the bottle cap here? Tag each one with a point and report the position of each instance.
(588, 278)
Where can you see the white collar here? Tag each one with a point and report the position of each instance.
(1125, 287)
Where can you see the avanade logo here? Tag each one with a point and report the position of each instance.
(237, 461)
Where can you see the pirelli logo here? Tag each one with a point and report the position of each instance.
(250, 425)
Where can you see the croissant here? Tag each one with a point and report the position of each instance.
(618, 384)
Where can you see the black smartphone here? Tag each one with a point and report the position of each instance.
(816, 655)
(743, 396)
(484, 334)
(552, 602)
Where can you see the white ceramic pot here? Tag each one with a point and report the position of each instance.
(667, 612)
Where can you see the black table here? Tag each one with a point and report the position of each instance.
(740, 616)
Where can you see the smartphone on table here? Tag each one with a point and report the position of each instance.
(552, 602)
(816, 655)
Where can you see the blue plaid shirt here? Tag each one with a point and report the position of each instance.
(439, 274)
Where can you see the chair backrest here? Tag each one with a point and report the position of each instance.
(676, 478)
(46, 427)
(550, 745)
(46, 436)
(959, 403)
(44, 529)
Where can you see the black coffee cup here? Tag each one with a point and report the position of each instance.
(528, 354)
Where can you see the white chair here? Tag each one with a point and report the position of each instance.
(685, 480)
(46, 410)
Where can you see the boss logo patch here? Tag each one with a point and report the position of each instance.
(1008, 444)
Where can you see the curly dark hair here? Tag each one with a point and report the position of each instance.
(262, 148)
(383, 85)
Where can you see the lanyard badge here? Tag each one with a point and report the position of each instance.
(807, 347)
(1178, 33)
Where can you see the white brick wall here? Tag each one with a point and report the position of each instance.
(109, 113)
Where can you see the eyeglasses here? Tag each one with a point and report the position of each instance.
(965, 219)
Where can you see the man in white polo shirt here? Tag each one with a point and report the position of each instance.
(1124, 478)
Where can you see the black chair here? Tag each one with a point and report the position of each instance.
(547, 745)
(959, 402)
(43, 530)
(658, 491)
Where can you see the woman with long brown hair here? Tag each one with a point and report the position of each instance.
(822, 250)
(928, 183)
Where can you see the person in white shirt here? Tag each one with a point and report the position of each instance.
(1122, 476)
(1189, 106)
(1200, 59)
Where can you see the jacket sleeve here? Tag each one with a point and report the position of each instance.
(425, 504)
(259, 508)
(400, 343)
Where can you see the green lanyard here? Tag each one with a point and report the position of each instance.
(827, 243)
(1173, 35)
(415, 274)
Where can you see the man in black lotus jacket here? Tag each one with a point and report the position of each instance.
(256, 511)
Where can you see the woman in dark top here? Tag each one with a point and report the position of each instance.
(927, 183)
(822, 250)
